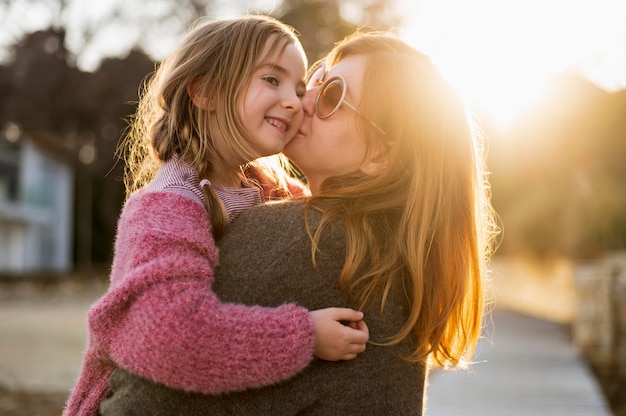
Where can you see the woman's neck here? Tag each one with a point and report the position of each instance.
(314, 186)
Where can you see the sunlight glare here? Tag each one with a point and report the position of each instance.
(501, 55)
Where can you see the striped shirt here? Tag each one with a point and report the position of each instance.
(179, 177)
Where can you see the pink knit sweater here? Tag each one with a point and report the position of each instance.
(160, 318)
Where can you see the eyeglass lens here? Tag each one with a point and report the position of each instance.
(330, 98)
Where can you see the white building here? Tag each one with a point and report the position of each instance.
(36, 205)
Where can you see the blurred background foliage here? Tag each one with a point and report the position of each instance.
(558, 172)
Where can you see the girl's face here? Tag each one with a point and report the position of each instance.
(272, 105)
(331, 146)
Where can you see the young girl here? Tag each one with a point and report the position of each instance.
(229, 94)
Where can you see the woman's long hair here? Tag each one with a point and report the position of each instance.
(424, 224)
(216, 60)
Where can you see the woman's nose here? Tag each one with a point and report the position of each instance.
(308, 102)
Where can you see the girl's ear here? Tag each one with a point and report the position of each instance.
(195, 94)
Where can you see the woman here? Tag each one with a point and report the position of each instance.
(398, 226)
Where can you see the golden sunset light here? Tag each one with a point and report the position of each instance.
(502, 54)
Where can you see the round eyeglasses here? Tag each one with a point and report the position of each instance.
(332, 95)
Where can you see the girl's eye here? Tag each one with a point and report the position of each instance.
(270, 79)
(300, 93)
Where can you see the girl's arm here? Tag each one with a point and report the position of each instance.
(168, 324)
(179, 334)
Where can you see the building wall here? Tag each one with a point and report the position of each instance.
(36, 221)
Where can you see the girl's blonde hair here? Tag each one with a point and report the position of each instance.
(425, 223)
(214, 61)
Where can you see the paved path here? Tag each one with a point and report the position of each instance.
(529, 367)
(41, 344)
(43, 333)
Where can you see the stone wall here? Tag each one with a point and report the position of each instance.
(599, 325)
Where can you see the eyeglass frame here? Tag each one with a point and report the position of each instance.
(342, 100)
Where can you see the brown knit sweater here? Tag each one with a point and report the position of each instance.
(266, 259)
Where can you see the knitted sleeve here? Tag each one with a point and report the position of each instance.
(163, 321)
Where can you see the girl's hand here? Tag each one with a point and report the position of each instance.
(340, 333)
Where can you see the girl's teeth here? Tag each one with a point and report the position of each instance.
(277, 123)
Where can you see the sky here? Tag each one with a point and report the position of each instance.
(498, 53)
(502, 53)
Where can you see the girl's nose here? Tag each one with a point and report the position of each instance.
(293, 102)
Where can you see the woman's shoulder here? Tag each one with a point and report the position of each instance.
(287, 216)
(268, 221)
(273, 212)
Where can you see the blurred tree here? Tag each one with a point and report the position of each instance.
(108, 98)
(559, 175)
(36, 83)
(321, 23)
(143, 27)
